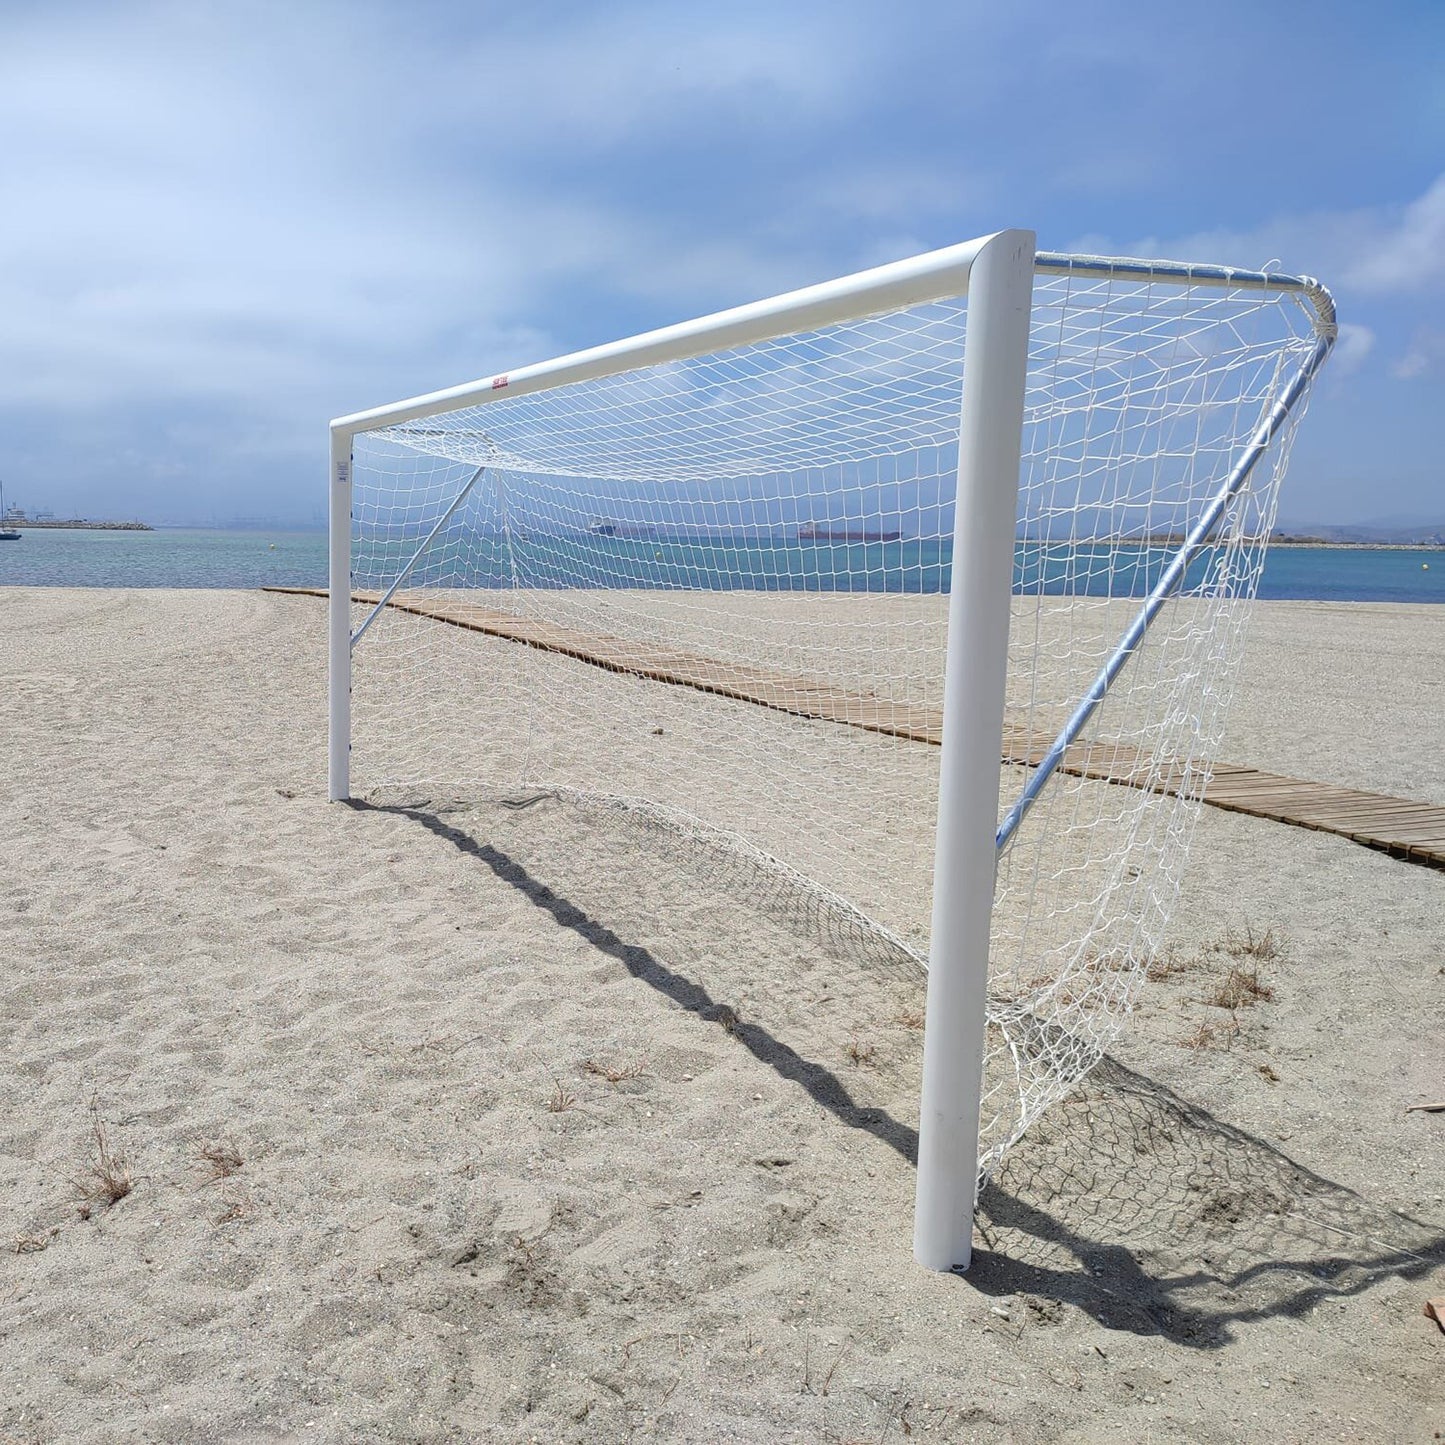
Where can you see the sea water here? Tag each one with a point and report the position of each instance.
(169, 557)
(58, 557)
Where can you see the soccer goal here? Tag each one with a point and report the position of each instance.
(922, 589)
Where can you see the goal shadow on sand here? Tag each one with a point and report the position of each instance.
(1124, 1200)
(821, 1084)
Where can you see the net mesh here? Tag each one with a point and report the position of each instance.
(713, 593)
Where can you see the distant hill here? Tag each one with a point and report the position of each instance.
(1429, 534)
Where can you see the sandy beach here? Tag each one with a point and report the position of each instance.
(449, 1120)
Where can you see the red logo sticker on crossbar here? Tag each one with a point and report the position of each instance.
(498, 382)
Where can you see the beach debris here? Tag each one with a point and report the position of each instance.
(1435, 1310)
(107, 1180)
(232, 1210)
(1426, 1108)
(1210, 1035)
(221, 1158)
(527, 800)
(34, 1243)
(1241, 989)
(560, 1099)
(615, 1073)
(1043, 1309)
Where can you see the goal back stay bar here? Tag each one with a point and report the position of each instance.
(996, 273)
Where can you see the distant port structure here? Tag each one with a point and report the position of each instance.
(13, 518)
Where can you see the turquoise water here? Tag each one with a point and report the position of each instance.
(58, 557)
(184, 558)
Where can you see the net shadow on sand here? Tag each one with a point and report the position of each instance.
(1125, 1200)
(1157, 1217)
(724, 863)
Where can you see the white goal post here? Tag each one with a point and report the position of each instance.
(968, 538)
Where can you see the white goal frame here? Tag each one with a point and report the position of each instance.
(997, 274)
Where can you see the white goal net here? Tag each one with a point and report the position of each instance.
(712, 593)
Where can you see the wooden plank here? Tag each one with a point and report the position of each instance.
(1376, 806)
(1263, 789)
(1321, 795)
(1325, 801)
(1424, 833)
(1409, 830)
(1375, 828)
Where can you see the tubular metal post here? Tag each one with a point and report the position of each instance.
(338, 784)
(995, 361)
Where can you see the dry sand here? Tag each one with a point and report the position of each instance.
(450, 1222)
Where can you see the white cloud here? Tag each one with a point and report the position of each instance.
(1365, 249)
(1354, 344)
(626, 70)
(1410, 255)
(1425, 351)
(255, 216)
(216, 211)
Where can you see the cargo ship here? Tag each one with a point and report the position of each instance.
(832, 532)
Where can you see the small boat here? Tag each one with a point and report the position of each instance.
(7, 533)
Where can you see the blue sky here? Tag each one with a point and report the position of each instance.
(223, 224)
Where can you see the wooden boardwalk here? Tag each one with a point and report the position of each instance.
(1411, 831)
